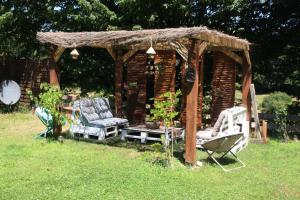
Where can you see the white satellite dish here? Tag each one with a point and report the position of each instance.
(10, 92)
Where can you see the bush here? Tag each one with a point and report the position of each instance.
(278, 103)
(50, 98)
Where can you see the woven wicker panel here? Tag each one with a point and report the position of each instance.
(136, 82)
(223, 84)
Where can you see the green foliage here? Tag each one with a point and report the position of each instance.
(206, 108)
(93, 71)
(50, 98)
(164, 107)
(278, 103)
(273, 26)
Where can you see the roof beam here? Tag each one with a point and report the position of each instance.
(212, 47)
(202, 47)
(221, 41)
(112, 53)
(233, 56)
(247, 56)
(58, 52)
(128, 55)
(181, 50)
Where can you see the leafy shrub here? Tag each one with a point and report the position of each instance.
(278, 103)
(50, 98)
(165, 107)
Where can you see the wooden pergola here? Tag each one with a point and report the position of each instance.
(189, 43)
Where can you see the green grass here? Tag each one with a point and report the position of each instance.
(36, 169)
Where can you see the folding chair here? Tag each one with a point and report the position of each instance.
(225, 145)
(229, 135)
(46, 118)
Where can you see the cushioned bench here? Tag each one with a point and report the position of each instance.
(95, 119)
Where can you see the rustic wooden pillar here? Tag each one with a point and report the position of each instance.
(118, 82)
(246, 84)
(200, 92)
(183, 90)
(55, 54)
(191, 105)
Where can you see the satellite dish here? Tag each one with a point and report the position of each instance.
(10, 92)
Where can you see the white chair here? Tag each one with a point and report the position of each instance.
(230, 134)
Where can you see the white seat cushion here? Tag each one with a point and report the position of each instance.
(204, 134)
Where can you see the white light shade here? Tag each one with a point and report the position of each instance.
(151, 51)
(74, 54)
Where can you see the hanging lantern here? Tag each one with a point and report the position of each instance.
(150, 69)
(74, 53)
(151, 52)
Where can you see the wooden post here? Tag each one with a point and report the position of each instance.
(264, 131)
(118, 82)
(200, 92)
(191, 105)
(55, 54)
(255, 113)
(246, 84)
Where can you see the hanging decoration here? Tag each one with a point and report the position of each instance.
(74, 53)
(151, 69)
(190, 75)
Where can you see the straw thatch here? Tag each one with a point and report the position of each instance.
(138, 38)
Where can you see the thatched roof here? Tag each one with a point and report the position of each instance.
(126, 39)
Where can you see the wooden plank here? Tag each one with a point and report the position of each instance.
(118, 83)
(53, 68)
(264, 131)
(247, 57)
(128, 55)
(255, 113)
(191, 106)
(112, 53)
(222, 41)
(202, 48)
(200, 92)
(213, 47)
(59, 51)
(246, 87)
(233, 56)
(181, 50)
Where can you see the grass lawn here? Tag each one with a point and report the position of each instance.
(36, 169)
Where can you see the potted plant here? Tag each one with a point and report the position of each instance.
(50, 98)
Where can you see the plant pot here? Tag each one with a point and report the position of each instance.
(152, 124)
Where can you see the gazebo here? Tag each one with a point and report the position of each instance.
(190, 43)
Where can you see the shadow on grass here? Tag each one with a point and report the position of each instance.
(223, 161)
(117, 142)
